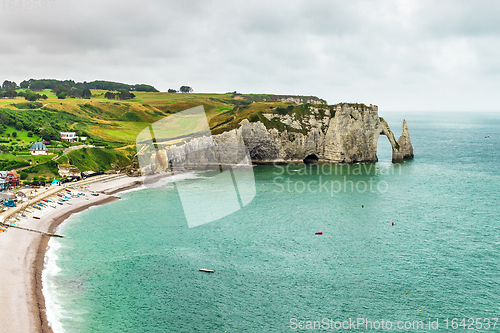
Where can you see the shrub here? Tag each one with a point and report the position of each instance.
(28, 105)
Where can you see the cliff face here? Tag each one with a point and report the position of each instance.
(347, 134)
(343, 133)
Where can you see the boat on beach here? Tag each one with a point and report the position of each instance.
(206, 270)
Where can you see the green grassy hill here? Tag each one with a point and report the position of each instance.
(115, 124)
(119, 122)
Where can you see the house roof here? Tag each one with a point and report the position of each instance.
(37, 146)
(13, 173)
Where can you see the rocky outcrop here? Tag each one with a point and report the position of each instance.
(347, 134)
(405, 142)
(67, 170)
(343, 133)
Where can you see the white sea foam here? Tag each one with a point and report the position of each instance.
(54, 310)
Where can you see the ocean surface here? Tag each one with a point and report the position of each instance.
(133, 265)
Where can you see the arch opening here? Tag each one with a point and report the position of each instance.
(310, 159)
(384, 149)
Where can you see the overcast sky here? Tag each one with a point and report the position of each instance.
(400, 55)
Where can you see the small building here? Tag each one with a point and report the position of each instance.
(69, 136)
(3, 184)
(38, 148)
(13, 178)
(3, 174)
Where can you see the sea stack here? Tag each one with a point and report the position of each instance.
(405, 142)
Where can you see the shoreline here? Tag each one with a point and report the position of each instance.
(22, 254)
(39, 263)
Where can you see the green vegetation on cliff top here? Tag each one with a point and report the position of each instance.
(119, 122)
(115, 124)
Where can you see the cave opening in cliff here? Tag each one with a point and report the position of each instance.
(311, 159)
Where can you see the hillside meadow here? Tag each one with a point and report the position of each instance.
(116, 123)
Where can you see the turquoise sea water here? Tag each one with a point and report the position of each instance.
(132, 265)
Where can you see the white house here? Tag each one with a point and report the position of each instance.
(38, 148)
(69, 136)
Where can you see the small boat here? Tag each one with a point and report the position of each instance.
(319, 233)
(36, 217)
(206, 270)
(67, 190)
(95, 194)
(60, 203)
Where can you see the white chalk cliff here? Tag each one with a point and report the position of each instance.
(343, 133)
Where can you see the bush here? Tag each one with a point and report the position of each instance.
(23, 175)
(30, 134)
(254, 118)
(28, 105)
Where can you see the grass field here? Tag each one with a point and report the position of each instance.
(116, 124)
(97, 159)
(119, 122)
(22, 135)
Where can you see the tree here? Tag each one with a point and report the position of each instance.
(86, 93)
(48, 133)
(30, 134)
(75, 92)
(173, 91)
(109, 95)
(185, 89)
(44, 96)
(19, 126)
(24, 85)
(9, 85)
(14, 135)
(30, 96)
(62, 95)
(10, 93)
(37, 86)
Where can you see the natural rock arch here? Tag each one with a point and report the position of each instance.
(402, 148)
